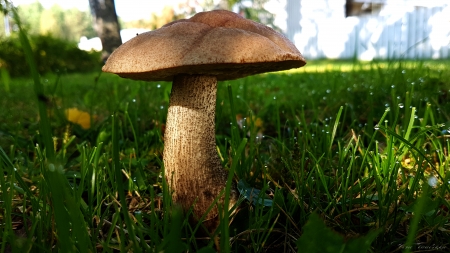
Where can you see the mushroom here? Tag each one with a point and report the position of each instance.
(194, 54)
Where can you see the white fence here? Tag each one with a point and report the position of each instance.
(396, 32)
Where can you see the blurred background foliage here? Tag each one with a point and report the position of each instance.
(72, 24)
(52, 54)
(55, 32)
(65, 24)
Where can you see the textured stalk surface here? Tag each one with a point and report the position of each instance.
(193, 168)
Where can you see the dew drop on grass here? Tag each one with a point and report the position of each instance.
(60, 169)
(401, 105)
(158, 86)
(134, 100)
(328, 91)
(377, 127)
(274, 98)
(432, 181)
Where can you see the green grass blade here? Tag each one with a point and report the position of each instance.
(45, 130)
(235, 135)
(6, 198)
(6, 79)
(119, 184)
(335, 126)
(225, 235)
(418, 212)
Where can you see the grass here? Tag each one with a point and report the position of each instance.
(358, 147)
(339, 156)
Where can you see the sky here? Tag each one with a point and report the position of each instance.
(126, 9)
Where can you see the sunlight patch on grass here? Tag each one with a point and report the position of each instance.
(323, 66)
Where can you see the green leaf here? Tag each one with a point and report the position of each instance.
(362, 244)
(252, 194)
(318, 238)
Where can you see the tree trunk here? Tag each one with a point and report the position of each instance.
(106, 25)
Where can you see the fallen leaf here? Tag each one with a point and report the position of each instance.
(79, 117)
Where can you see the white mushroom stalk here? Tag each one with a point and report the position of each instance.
(191, 161)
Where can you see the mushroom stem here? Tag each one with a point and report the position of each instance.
(193, 168)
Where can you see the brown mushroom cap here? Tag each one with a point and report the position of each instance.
(219, 43)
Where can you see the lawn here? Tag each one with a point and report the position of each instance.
(360, 148)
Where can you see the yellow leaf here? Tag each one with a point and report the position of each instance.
(79, 117)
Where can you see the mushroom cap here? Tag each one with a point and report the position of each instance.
(219, 43)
